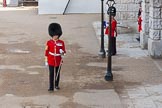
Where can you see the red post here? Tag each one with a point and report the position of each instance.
(4, 3)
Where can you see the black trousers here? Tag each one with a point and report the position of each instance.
(113, 45)
(52, 77)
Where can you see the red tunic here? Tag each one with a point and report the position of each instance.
(52, 52)
(113, 28)
(139, 23)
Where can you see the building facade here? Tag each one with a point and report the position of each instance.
(151, 34)
(152, 24)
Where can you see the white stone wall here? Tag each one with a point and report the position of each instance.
(127, 9)
(155, 25)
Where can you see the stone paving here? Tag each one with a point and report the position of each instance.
(137, 77)
(145, 95)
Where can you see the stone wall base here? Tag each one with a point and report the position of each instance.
(154, 48)
(144, 40)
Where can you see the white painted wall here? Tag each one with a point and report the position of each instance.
(12, 2)
(75, 6)
(51, 6)
(84, 6)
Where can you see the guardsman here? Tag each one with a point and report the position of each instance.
(113, 34)
(139, 23)
(55, 48)
(4, 3)
(139, 20)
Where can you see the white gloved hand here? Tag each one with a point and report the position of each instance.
(46, 63)
(61, 51)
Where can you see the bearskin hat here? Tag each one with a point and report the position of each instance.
(54, 29)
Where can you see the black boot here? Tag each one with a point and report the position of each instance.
(138, 39)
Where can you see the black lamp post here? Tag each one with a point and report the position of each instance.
(102, 50)
(111, 12)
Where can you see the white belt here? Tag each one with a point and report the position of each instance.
(54, 54)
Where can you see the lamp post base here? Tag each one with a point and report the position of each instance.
(109, 76)
(102, 54)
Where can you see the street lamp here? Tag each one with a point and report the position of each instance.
(111, 12)
(102, 50)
